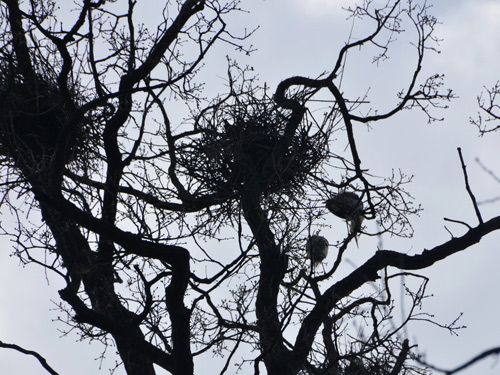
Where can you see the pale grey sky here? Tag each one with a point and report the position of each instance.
(298, 37)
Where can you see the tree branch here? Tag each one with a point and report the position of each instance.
(40, 359)
(477, 358)
(467, 187)
(369, 272)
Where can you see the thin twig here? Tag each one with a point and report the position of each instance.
(458, 222)
(467, 187)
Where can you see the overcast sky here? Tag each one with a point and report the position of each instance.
(302, 37)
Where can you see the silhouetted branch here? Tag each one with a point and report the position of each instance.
(401, 358)
(467, 186)
(477, 358)
(40, 359)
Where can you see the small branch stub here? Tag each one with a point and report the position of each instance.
(467, 187)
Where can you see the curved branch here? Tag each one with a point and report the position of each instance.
(193, 205)
(477, 358)
(188, 9)
(40, 359)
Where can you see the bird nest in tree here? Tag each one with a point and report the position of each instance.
(245, 147)
(32, 117)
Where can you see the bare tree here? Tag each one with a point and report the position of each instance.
(180, 236)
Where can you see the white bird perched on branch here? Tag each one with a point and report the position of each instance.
(317, 249)
(348, 206)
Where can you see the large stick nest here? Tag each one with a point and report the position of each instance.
(243, 147)
(33, 114)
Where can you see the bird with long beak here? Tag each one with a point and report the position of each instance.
(348, 206)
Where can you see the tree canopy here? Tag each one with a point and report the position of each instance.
(183, 227)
